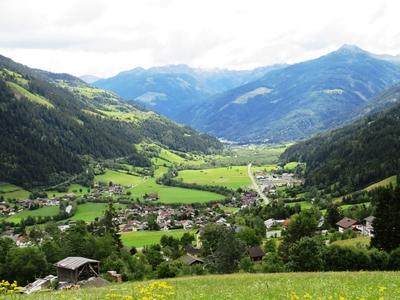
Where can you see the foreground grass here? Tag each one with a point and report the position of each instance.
(335, 286)
(146, 237)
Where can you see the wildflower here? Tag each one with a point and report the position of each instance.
(307, 296)
(382, 289)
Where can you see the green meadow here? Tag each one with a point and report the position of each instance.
(146, 238)
(77, 189)
(360, 241)
(90, 211)
(48, 211)
(291, 286)
(118, 177)
(11, 191)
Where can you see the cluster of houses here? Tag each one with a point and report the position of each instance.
(270, 181)
(136, 217)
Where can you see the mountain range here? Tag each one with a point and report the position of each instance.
(172, 90)
(53, 123)
(276, 104)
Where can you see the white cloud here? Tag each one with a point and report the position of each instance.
(103, 37)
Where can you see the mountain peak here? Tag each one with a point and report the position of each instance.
(351, 49)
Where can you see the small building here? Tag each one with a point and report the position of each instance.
(191, 260)
(151, 196)
(189, 249)
(345, 224)
(74, 269)
(256, 253)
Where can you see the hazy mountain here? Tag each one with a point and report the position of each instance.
(356, 155)
(51, 123)
(172, 90)
(299, 100)
(89, 78)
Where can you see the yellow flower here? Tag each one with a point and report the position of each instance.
(382, 289)
(307, 296)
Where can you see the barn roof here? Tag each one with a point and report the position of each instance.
(256, 251)
(72, 263)
(346, 223)
(189, 260)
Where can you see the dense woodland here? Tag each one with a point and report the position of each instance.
(39, 143)
(354, 156)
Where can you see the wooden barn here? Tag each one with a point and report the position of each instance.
(74, 269)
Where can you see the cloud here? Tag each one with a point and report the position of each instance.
(103, 37)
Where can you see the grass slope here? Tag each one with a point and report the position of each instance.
(118, 177)
(11, 191)
(335, 286)
(360, 241)
(146, 238)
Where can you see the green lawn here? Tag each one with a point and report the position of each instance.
(11, 191)
(303, 204)
(47, 211)
(28, 95)
(145, 238)
(118, 177)
(291, 165)
(290, 286)
(360, 241)
(90, 211)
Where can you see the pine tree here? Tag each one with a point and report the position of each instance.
(387, 219)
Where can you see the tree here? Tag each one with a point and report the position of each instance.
(306, 255)
(108, 225)
(25, 264)
(387, 219)
(333, 214)
(187, 239)
(270, 246)
(222, 250)
(248, 236)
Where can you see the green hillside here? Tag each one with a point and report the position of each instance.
(52, 124)
(352, 157)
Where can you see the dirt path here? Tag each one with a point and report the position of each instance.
(255, 185)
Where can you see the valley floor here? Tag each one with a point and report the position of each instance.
(333, 285)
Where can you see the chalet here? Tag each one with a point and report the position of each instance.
(74, 269)
(190, 260)
(269, 223)
(345, 224)
(189, 249)
(256, 253)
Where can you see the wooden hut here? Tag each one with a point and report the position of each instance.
(74, 269)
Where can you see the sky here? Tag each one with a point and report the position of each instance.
(103, 37)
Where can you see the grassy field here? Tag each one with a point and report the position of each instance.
(230, 177)
(118, 177)
(90, 211)
(73, 188)
(293, 286)
(145, 238)
(257, 154)
(360, 241)
(303, 204)
(47, 211)
(11, 191)
(291, 166)
(169, 194)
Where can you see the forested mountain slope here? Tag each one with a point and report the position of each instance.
(49, 122)
(300, 100)
(356, 155)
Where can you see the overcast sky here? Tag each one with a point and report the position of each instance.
(103, 37)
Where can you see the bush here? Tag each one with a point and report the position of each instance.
(394, 260)
(306, 255)
(167, 270)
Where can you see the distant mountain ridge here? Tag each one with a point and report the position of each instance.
(89, 78)
(298, 101)
(173, 89)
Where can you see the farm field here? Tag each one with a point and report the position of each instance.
(118, 177)
(303, 204)
(48, 211)
(231, 177)
(146, 238)
(11, 191)
(77, 189)
(360, 241)
(169, 194)
(90, 211)
(333, 285)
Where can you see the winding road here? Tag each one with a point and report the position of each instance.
(256, 186)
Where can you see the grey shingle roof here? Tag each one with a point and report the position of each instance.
(72, 263)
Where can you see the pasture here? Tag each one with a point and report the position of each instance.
(11, 191)
(47, 211)
(118, 177)
(90, 211)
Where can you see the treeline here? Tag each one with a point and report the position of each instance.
(354, 156)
